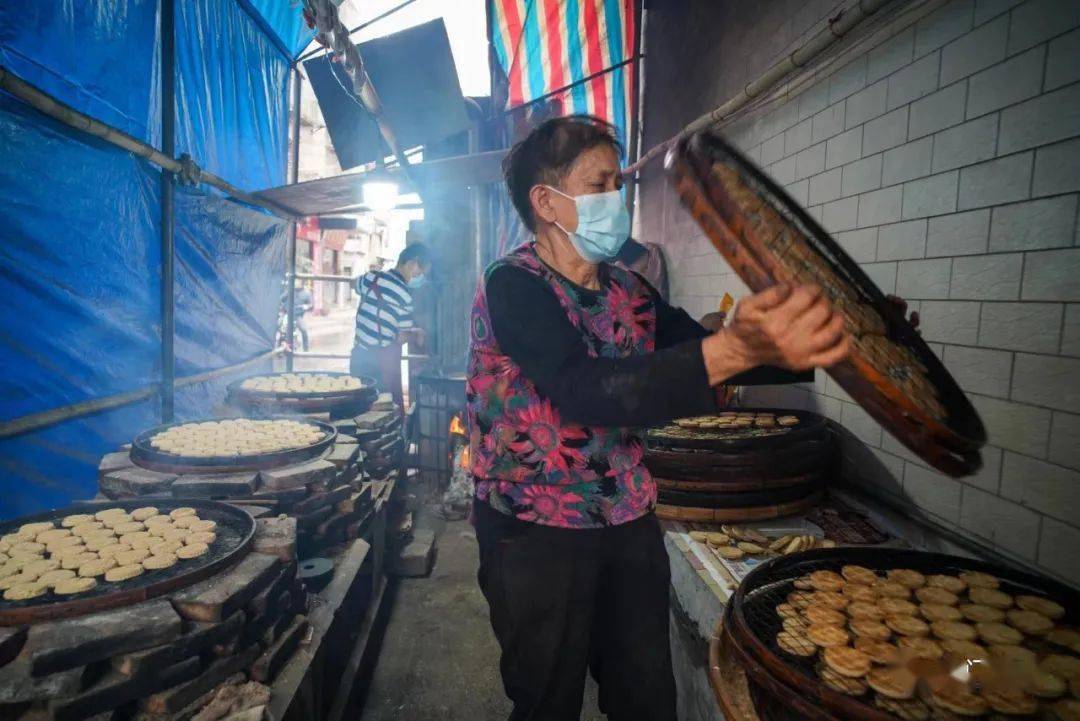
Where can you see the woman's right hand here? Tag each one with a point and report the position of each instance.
(795, 328)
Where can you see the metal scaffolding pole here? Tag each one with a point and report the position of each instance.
(294, 173)
(168, 245)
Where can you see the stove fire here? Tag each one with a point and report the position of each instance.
(459, 494)
(457, 427)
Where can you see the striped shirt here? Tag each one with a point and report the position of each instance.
(385, 308)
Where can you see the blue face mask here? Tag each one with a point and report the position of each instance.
(603, 225)
(418, 281)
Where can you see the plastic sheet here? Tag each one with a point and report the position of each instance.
(286, 19)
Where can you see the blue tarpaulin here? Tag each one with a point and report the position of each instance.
(80, 237)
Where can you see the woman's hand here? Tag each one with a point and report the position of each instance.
(792, 328)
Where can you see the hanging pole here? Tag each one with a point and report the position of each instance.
(360, 27)
(168, 241)
(294, 174)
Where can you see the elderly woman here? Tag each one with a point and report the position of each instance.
(570, 357)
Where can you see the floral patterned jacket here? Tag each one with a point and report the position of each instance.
(528, 462)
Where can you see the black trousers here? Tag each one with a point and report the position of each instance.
(565, 601)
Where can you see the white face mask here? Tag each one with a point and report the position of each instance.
(603, 225)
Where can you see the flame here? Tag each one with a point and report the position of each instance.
(456, 426)
(463, 459)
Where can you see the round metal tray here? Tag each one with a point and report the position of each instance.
(811, 426)
(357, 400)
(235, 530)
(145, 455)
(755, 224)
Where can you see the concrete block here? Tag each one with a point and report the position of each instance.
(179, 696)
(840, 214)
(949, 321)
(1046, 119)
(223, 595)
(17, 686)
(1039, 20)
(266, 666)
(1070, 332)
(861, 176)
(866, 104)
(1064, 432)
(980, 370)
(844, 148)
(812, 101)
(995, 182)
(932, 492)
(825, 187)
(797, 138)
(979, 49)
(989, 9)
(196, 640)
(859, 422)
(810, 161)
(907, 162)
(923, 279)
(986, 277)
(800, 191)
(848, 79)
(317, 471)
(891, 55)
(215, 486)
(417, 557)
(902, 241)
(343, 455)
(885, 132)
(943, 25)
(114, 462)
(1049, 381)
(958, 234)
(1052, 275)
(1014, 426)
(276, 536)
(988, 478)
(880, 206)
(772, 149)
(1032, 327)
(1044, 487)
(913, 82)
(1005, 84)
(883, 275)
(827, 123)
(1061, 65)
(1037, 224)
(115, 690)
(937, 110)
(861, 245)
(965, 144)
(1057, 168)
(933, 195)
(1057, 550)
(1004, 524)
(135, 481)
(783, 170)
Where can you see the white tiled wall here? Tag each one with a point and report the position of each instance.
(946, 160)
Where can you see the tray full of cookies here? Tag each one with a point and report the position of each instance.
(93, 556)
(768, 239)
(222, 445)
(881, 634)
(304, 392)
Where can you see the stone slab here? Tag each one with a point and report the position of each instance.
(216, 485)
(197, 638)
(114, 462)
(333, 529)
(116, 689)
(223, 595)
(345, 425)
(356, 501)
(343, 455)
(267, 665)
(276, 536)
(344, 439)
(257, 627)
(136, 481)
(11, 642)
(417, 557)
(328, 498)
(177, 697)
(258, 605)
(385, 402)
(18, 686)
(374, 420)
(302, 474)
(285, 497)
(67, 643)
(310, 520)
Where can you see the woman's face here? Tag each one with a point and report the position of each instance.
(595, 171)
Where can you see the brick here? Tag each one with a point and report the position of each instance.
(1064, 432)
(1010, 82)
(907, 162)
(880, 206)
(1057, 168)
(266, 666)
(114, 690)
(975, 51)
(810, 161)
(1070, 333)
(958, 234)
(949, 321)
(1057, 550)
(1037, 224)
(798, 138)
(866, 104)
(177, 697)
(783, 170)
(827, 123)
(986, 277)
(840, 214)
(215, 486)
(1061, 65)
(1039, 20)
(988, 9)
(891, 55)
(1049, 381)
(1045, 487)
(861, 245)
(861, 176)
(1014, 426)
(800, 191)
(1052, 275)
(913, 82)
(902, 241)
(18, 686)
(1046, 119)
(848, 79)
(276, 537)
(825, 187)
(965, 144)
(198, 639)
(1004, 524)
(938, 111)
(943, 25)
(923, 279)
(1032, 327)
(885, 132)
(317, 471)
(813, 100)
(135, 481)
(979, 370)
(933, 195)
(883, 275)
(844, 148)
(998, 181)
(933, 492)
(772, 150)
(226, 593)
(343, 455)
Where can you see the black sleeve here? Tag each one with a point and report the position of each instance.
(531, 327)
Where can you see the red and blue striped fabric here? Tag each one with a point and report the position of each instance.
(544, 45)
